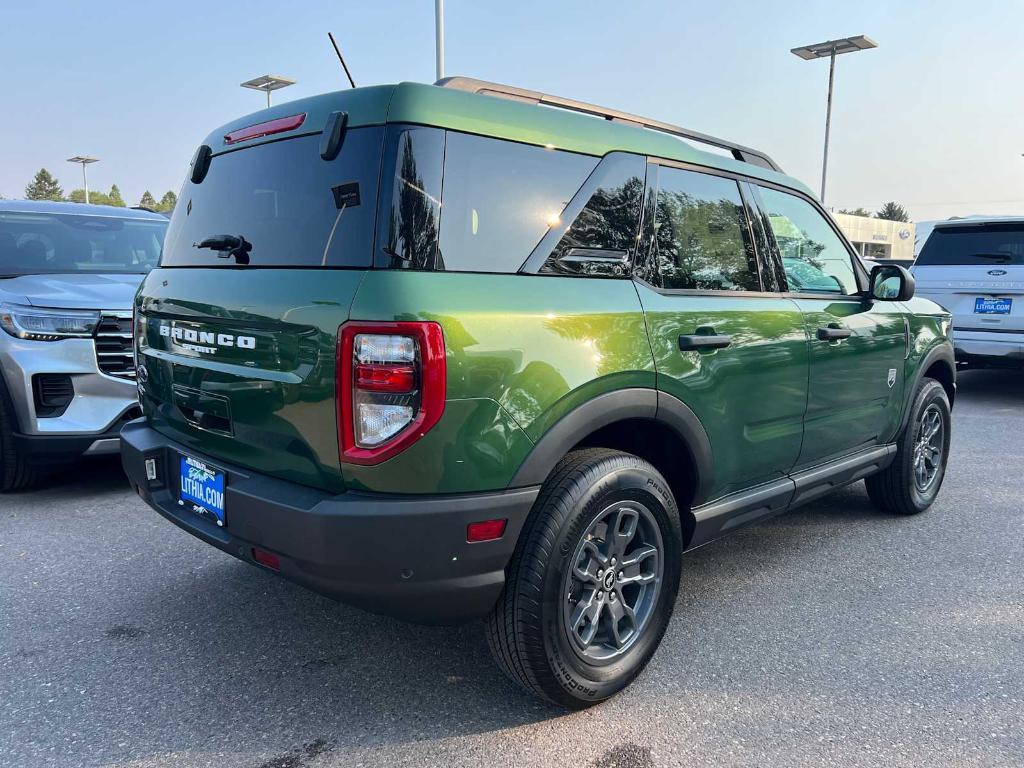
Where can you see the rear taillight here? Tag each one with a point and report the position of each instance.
(390, 387)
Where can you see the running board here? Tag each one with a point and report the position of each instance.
(737, 510)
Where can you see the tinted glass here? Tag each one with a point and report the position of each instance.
(975, 244)
(814, 257)
(604, 215)
(500, 198)
(411, 198)
(701, 240)
(293, 207)
(38, 243)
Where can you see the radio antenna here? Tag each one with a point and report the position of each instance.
(341, 58)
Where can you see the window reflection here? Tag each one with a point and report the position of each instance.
(701, 238)
(414, 206)
(813, 256)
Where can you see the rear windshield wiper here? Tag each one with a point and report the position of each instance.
(992, 256)
(228, 246)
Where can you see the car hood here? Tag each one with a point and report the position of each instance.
(72, 291)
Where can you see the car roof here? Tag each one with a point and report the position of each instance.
(78, 209)
(487, 115)
(969, 220)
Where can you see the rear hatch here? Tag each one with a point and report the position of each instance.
(238, 338)
(976, 271)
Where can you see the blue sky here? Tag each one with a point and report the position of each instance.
(932, 118)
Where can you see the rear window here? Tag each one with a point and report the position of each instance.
(294, 208)
(975, 244)
(38, 243)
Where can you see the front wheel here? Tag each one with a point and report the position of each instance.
(593, 580)
(910, 484)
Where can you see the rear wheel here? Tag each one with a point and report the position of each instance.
(15, 471)
(910, 484)
(593, 581)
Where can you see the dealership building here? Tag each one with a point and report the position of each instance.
(878, 238)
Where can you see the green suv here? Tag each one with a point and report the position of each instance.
(463, 350)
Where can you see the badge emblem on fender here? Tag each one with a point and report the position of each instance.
(892, 378)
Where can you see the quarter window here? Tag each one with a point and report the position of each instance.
(602, 221)
(814, 257)
(701, 238)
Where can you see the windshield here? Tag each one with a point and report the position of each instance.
(975, 244)
(34, 243)
(291, 207)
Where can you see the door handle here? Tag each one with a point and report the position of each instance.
(699, 341)
(834, 333)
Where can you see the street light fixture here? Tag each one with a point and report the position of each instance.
(830, 49)
(84, 160)
(268, 84)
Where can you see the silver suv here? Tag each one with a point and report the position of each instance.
(975, 269)
(68, 273)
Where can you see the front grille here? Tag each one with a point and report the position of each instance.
(114, 353)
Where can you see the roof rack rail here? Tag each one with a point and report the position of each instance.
(738, 151)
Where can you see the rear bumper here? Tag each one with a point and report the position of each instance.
(989, 349)
(404, 556)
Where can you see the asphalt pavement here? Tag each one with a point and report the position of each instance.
(833, 635)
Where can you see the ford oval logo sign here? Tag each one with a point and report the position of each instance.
(997, 272)
(904, 234)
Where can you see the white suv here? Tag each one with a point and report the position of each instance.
(68, 274)
(975, 269)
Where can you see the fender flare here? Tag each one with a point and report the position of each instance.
(940, 352)
(612, 407)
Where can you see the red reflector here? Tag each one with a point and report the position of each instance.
(279, 125)
(269, 559)
(386, 378)
(487, 530)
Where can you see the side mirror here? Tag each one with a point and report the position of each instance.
(891, 282)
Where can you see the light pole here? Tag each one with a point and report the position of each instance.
(268, 84)
(439, 36)
(84, 160)
(830, 49)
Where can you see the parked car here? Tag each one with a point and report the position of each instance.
(975, 268)
(68, 273)
(463, 350)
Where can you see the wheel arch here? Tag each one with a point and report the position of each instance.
(657, 427)
(938, 363)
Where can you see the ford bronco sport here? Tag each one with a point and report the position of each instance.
(464, 350)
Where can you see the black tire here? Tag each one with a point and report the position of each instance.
(897, 489)
(15, 471)
(528, 630)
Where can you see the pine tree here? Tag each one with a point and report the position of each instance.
(893, 211)
(168, 201)
(44, 187)
(114, 196)
(147, 201)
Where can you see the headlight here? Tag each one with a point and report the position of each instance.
(47, 324)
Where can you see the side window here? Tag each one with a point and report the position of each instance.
(701, 239)
(500, 198)
(813, 255)
(411, 199)
(601, 235)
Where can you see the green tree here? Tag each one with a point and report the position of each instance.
(147, 201)
(114, 195)
(893, 211)
(856, 212)
(167, 202)
(44, 187)
(95, 198)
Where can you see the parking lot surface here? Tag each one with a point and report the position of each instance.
(830, 636)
